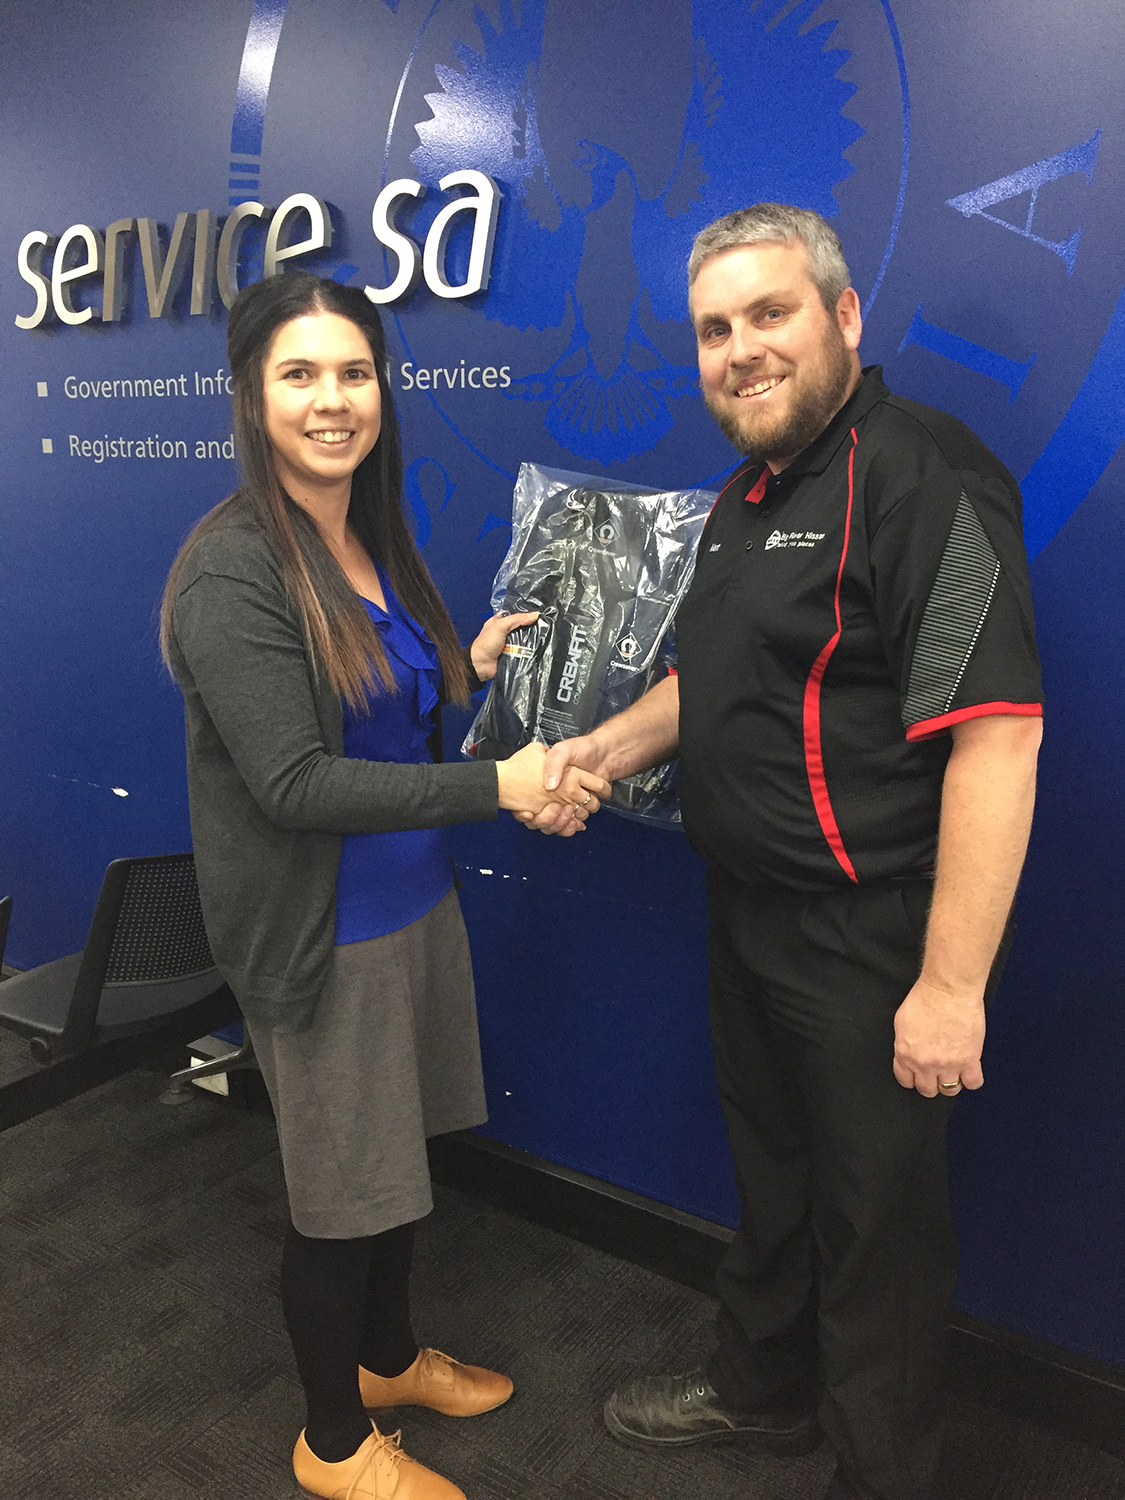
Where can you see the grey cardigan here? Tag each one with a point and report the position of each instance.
(270, 788)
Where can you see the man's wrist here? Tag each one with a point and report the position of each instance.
(961, 987)
(605, 757)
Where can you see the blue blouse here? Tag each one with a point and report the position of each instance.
(388, 880)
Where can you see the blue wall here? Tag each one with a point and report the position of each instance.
(971, 158)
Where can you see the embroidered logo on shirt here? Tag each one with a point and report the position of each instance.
(793, 539)
(715, 546)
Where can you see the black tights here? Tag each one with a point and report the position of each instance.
(346, 1304)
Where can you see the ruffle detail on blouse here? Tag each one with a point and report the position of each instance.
(405, 640)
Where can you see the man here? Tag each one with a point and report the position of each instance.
(858, 713)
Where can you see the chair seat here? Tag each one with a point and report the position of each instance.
(126, 1005)
(36, 1003)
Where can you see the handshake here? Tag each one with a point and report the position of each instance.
(547, 790)
(556, 790)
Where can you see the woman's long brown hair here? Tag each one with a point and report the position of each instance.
(338, 631)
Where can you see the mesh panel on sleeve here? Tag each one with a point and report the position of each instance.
(160, 929)
(953, 619)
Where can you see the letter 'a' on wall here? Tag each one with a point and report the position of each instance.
(485, 204)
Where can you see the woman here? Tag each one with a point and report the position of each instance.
(312, 650)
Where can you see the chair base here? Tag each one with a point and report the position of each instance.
(67, 1077)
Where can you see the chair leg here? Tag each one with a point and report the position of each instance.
(177, 1092)
(179, 1084)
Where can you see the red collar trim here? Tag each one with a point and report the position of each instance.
(756, 494)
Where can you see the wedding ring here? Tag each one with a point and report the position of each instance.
(950, 1088)
(585, 799)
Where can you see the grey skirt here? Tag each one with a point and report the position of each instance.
(392, 1057)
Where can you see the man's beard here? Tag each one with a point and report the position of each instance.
(814, 408)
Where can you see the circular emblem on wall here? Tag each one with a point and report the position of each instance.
(587, 305)
(612, 148)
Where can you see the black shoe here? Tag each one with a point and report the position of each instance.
(669, 1411)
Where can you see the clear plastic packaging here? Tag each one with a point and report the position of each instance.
(606, 564)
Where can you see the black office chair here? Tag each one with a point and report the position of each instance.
(146, 963)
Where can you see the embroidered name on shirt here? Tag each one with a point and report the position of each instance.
(793, 539)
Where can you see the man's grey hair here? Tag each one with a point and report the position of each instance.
(773, 223)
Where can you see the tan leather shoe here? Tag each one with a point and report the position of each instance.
(439, 1382)
(377, 1470)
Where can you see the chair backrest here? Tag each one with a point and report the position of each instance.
(159, 932)
(147, 927)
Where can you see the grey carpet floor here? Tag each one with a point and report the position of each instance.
(142, 1353)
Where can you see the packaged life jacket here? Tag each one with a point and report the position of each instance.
(606, 566)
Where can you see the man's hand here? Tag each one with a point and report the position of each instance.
(583, 751)
(485, 650)
(641, 736)
(939, 1037)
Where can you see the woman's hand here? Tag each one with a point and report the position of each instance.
(485, 650)
(520, 779)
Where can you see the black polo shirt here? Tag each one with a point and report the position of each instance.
(843, 616)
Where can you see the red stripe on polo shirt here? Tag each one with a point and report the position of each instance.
(927, 729)
(814, 756)
(756, 494)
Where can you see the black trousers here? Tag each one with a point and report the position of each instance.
(837, 1288)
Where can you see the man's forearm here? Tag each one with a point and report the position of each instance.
(986, 805)
(643, 735)
(987, 801)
